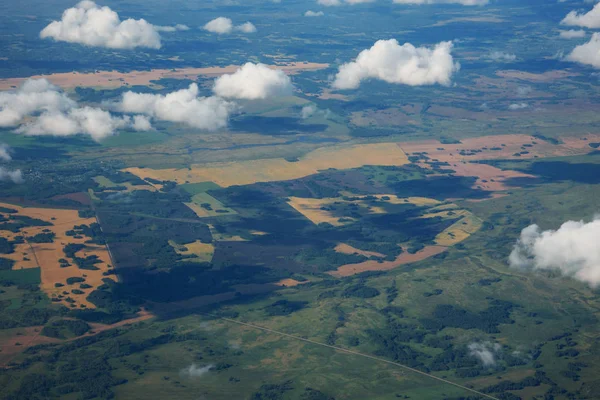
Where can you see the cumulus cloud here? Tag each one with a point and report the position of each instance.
(518, 106)
(40, 108)
(178, 27)
(183, 106)
(5, 153)
(331, 3)
(591, 19)
(524, 90)
(15, 176)
(92, 25)
(501, 56)
(308, 111)
(246, 27)
(222, 25)
(485, 352)
(572, 250)
(310, 13)
(252, 82)
(389, 61)
(461, 2)
(587, 53)
(193, 371)
(572, 34)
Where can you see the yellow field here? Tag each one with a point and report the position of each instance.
(347, 249)
(202, 252)
(222, 237)
(313, 210)
(47, 255)
(460, 230)
(278, 169)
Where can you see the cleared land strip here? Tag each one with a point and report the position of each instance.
(341, 349)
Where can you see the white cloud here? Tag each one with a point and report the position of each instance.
(14, 176)
(94, 122)
(518, 106)
(40, 108)
(462, 2)
(501, 56)
(587, 53)
(141, 123)
(183, 106)
(485, 352)
(573, 250)
(308, 111)
(246, 27)
(591, 19)
(572, 34)
(253, 81)
(178, 27)
(332, 3)
(405, 64)
(193, 371)
(222, 25)
(310, 13)
(219, 25)
(5, 153)
(91, 25)
(524, 90)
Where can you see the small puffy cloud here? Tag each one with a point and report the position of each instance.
(387, 60)
(572, 250)
(485, 352)
(461, 2)
(587, 53)
(518, 106)
(591, 19)
(252, 82)
(40, 108)
(5, 153)
(183, 106)
(246, 27)
(572, 34)
(524, 90)
(91, 25)
(332, 3)
(222, 25)
(310, 13)
(308, 111)
(178, 27)
(15, 176)
(141, 123)
(501, 56)
(194, 371)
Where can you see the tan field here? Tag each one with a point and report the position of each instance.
(20, 339)
(402, 259)
(47, 255)
(495, 147)
(460, 230)
(313, 210)
(278, 169)
(202, 252)
(115, 79)
(290, 282)
(347, 249)
(222, 237)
